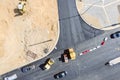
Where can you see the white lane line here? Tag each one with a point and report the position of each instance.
(106, 15)
(111, 3)
(93, 5)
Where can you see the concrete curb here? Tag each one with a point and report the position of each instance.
(58, 27)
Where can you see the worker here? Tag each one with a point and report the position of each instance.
(21, 7)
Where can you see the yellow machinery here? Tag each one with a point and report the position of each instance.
(48, 64)
(21, 7)
(72, 53)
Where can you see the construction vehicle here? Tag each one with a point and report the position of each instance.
(72, 53)
(21, 7)
(48, 64)
(65, 57)
(113, 61)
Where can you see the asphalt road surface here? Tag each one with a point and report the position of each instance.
(77, 34)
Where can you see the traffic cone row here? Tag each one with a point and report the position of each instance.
(92, 49)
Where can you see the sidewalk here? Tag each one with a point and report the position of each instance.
(101, 14)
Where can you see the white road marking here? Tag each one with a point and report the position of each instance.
(111, 3)
(106, 15)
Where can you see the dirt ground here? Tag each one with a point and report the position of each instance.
(29, 37)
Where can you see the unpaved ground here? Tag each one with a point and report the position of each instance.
(23, 39)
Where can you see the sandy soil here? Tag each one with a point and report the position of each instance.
(24, 39)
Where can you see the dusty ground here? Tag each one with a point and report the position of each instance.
(26, 38)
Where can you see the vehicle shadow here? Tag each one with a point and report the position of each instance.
(62, 55)
(61, 58)
(17, 13)
(42, 66)
(107, 63)
(67, 52)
